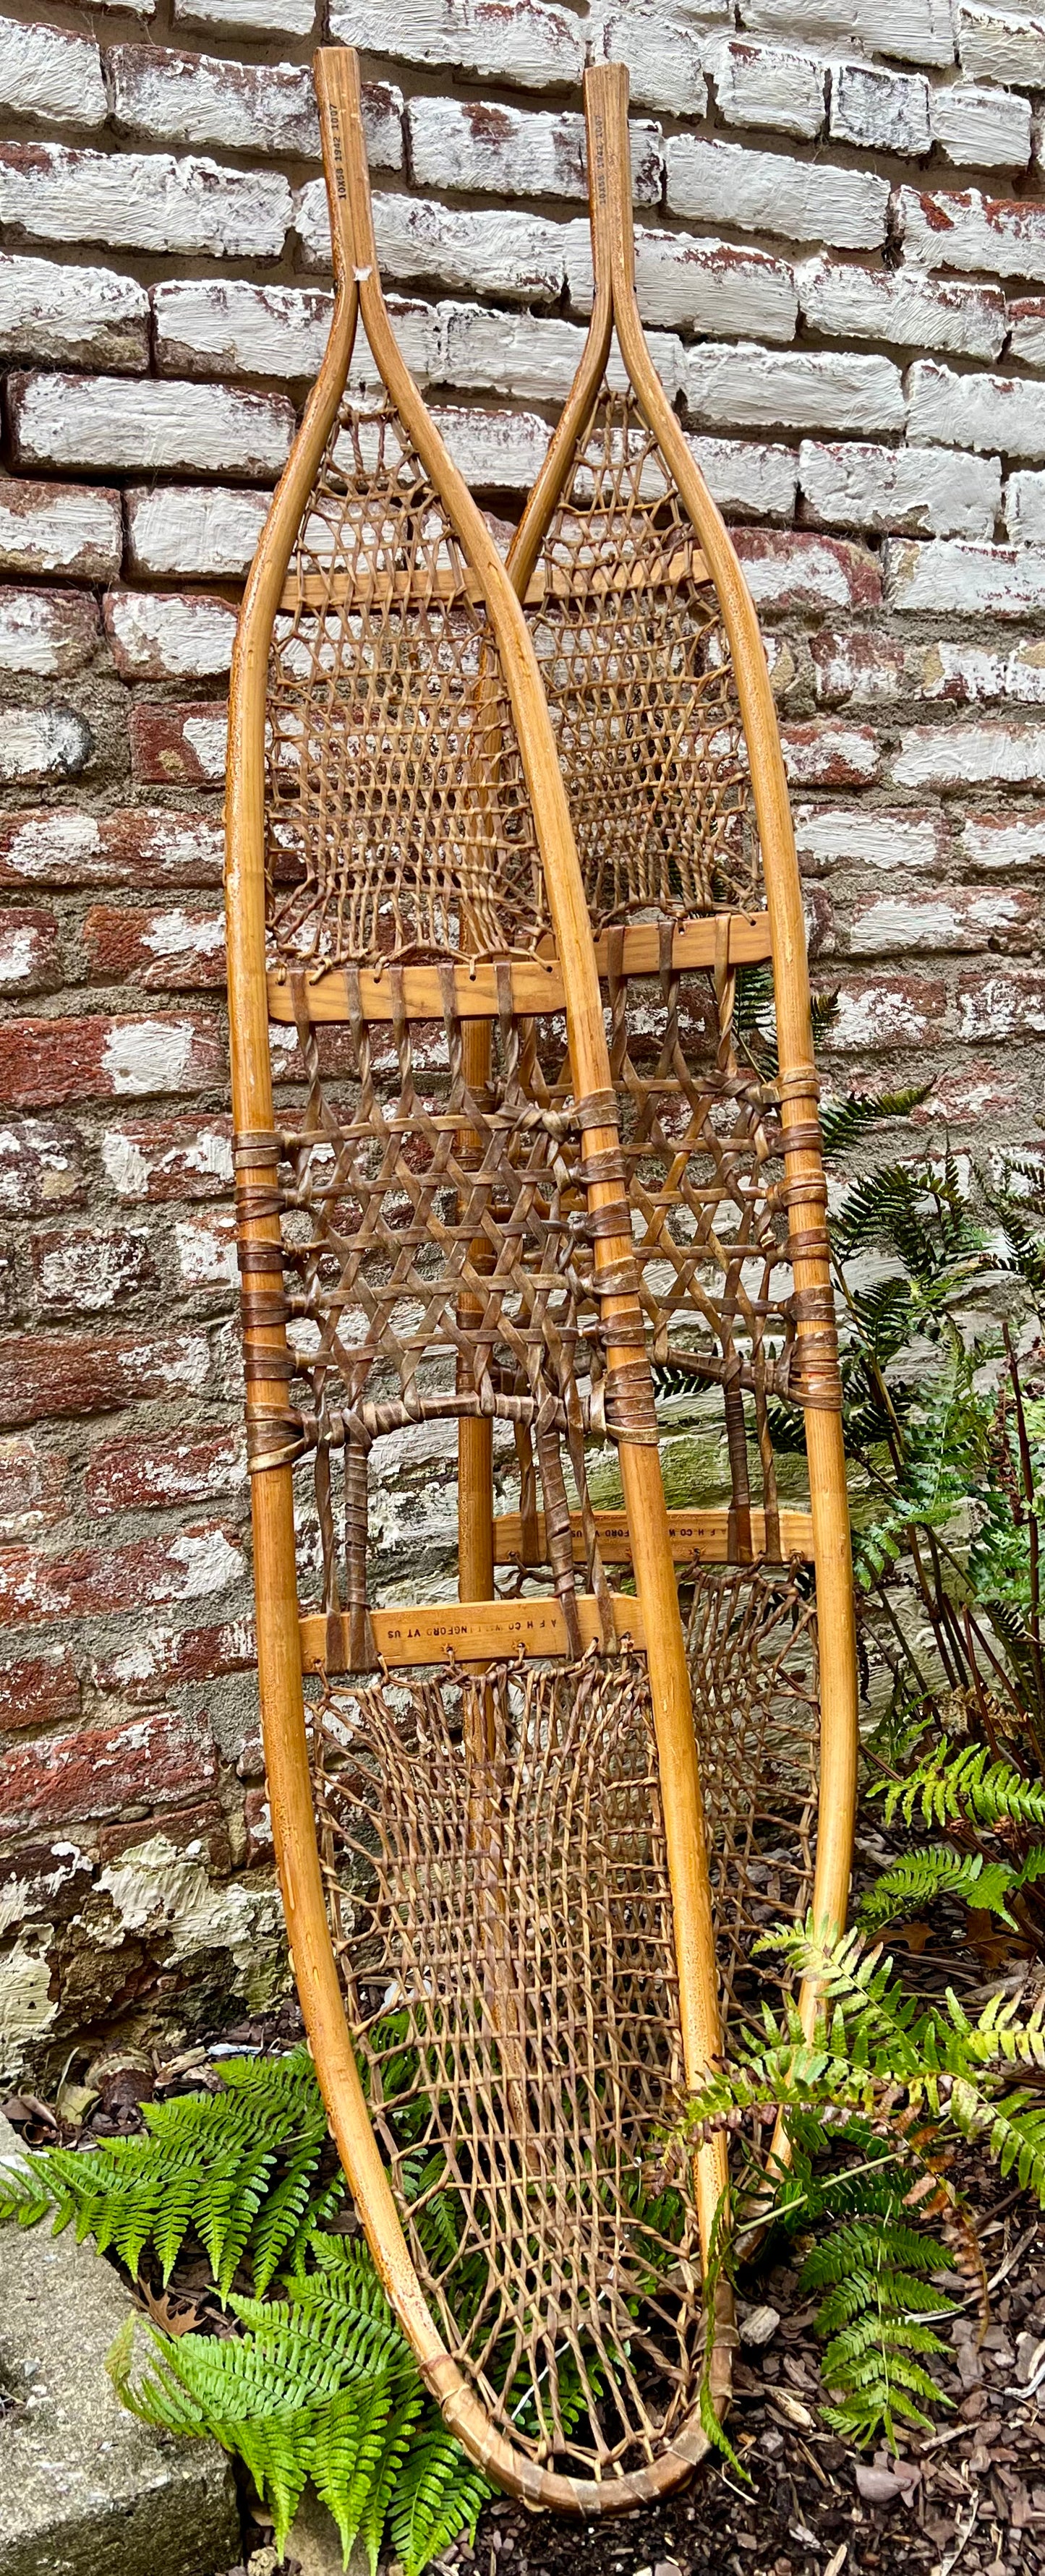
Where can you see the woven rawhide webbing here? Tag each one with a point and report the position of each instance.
(504, 1928)
(636, 665)
(437, 1263)
(751, 1639)
(398, 821)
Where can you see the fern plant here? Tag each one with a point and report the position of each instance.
(239, 2167)
(874, 2100)
(317, 2384)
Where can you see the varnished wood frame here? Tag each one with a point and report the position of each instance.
(358, 293)
(615, 307)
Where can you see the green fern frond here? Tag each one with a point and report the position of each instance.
(858, 1113)
(952, 1784)
(921, 1878)
(437, 2495)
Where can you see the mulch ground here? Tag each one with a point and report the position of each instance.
(970, 2494)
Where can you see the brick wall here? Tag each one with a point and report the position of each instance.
(842, 256)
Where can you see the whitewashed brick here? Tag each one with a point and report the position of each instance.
(830, 755)
(99, 424)
(72, 316)
(142, 201)
(1025, 509)
(521, 42)
(760, 482)
(1006, 1003)
(662, 49)
(197, 100)
(897, 844)
(970, 673)
(797, 574)
(211, 326)
(516, 152)
(47, 632)
(976, 411)
(882, 111)
(495, 451)
(764, 192)
(971, 755)
(981, 129)
(901, 305)
(248, 17)
(535, 359)
(954, 921)
(52, 76)
(54, 527)
(209, 530)
(696, 285)
(1027, 340)
(964, 580)
(751, 388)
(483, 252)
(169, 635)
(39, 744)
(915, 31)
(768, 85)
(997, 841)
(1004, 235)
(925, 490)
(1001, 45)
(870, 668)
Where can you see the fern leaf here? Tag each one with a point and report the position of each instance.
(439, 2494)
(920, 1878)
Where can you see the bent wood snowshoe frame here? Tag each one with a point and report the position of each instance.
(494, 1871)
(656, 677)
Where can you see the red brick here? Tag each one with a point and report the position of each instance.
(92, 1582)
(938, 920)
(40, 1167)
(870, 668)
(819, 755)
(795, 573)
(32, 1487)
(158, 1656)
(167, 1158)
(258, 1819)
(199, 1827)
(981, 1091)
(169, 950)
(126, 1474)
(39, 1690)
(69, 1374)
(148, 846)
(83, 1270)
(206, 1249)
(877, 1013)
(44, 1062)
(1008, 1004)
(30, 956)
(158, 1760)
(179, 746)
(201, 1824)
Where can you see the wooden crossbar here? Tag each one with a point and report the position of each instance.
(703, 1534)
(537, 983)
(473, 1632)
(415, 587)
